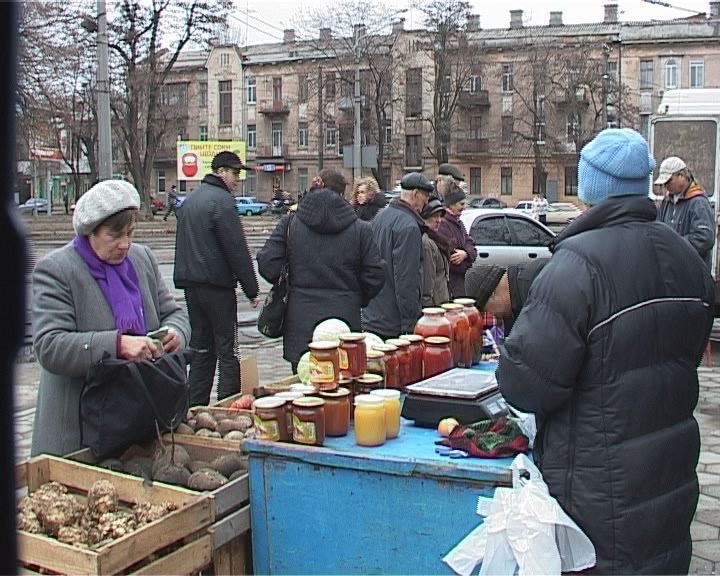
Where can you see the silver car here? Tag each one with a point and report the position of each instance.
(505, 237)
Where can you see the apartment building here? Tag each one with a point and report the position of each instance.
(534, 96)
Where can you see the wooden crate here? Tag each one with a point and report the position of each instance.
(215, 411)
(263, 390)
(193, 514)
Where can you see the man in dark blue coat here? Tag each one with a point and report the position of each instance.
(604, 353)
(398, 233)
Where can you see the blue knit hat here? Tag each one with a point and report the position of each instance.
(616, 163)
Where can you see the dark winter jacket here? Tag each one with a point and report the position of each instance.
(335, 266)
(604, 353)
(398, 233)
(453, 230)
(691, 215)
(210, 244)
(368, 211)
(436, 271)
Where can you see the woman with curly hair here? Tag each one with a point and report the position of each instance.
(367, 198)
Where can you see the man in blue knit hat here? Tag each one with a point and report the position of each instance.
(604, 352)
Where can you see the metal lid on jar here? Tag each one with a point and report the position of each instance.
(399, 342)
(309, 402)
(387, 393)
(338, 393)
(452, 306)
(385, 347)
(344, 379)
(352, 337)
(374, 354)
(437, 340)
(435, 311)
(323, 345)
(412, 337)
(304, 388)
(369, 400)
(370, 379)
(290, 395)
(268, 403)
(465, 301)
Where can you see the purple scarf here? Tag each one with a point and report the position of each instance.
(119, 283)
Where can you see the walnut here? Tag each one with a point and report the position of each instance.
(102, 498)
(114, 525)
(147, 512)
(73, 535)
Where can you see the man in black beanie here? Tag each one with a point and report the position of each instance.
(462, 247)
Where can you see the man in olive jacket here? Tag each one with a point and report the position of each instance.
(211, 256)
(605, 352)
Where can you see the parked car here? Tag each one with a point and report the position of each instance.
(32, 205)
(483, 202)
(505, 237)
(562, 212)
(525, 206)
(249, 206)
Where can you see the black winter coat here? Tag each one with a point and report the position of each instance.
(210, 244)
(368, 211)
(605, 353)
(335, 266)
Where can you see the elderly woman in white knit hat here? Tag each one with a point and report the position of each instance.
(98, 295)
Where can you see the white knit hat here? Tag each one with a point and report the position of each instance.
(102, 201)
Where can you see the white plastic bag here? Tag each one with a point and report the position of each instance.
(525, 532)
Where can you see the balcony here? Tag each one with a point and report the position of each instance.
(572, 97)
(466, 146)
(473, 99)
(268, 151)
(273, 107)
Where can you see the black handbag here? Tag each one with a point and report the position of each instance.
(271, 320)
(122, 401)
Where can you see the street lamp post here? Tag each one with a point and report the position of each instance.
(357, 145)
(103, 95)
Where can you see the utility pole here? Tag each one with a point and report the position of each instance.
(357, 144)
(605, 77)
(103, 96)
(321, 123)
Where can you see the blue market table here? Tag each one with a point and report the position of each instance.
(393, 509)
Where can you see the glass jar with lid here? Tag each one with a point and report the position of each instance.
(367, 383)
(433, 323)
(461, 345)
(416, 356)
(437, 356)
(392, 411)
(337, 411)
(404, 359)
(476, 326)
(304, 389)
(324, 364)
(375, 363)
(309, 421)
(370, 427)
(270, 419)
(391, 363)
(289, 397)
(353, 354)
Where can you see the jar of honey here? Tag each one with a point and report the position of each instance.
(337, 412)
(392, 411)
(416, 356)
(391, 364)
(289, 397)
(324, 365)
(375, 364)
(370, 427)
(270, 419)
(433, 323)
(404, 359)
(368, 382)
(353, 354)
(309, 421)
(437, 356)
(476, 326)
(461, 344)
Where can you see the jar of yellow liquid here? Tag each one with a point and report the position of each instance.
(392, 410)
(369, 420)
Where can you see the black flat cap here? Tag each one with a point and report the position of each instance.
(450, 170)
(227, 159)
(416, 181)
(433, 207)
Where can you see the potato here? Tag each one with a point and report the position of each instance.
(172, 474)
(205, 420)
(206, 479)
(236, 474)
(204, 432)
(245, 422)
(162, 457)
(227, 425)
(139, 466)
(184, 429)
(228, 463)
(196, 465)
(234, 435)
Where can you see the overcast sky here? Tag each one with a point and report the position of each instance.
(264, 20)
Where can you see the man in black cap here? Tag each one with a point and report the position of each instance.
(211, 256)
(452, 171)
(398, 233)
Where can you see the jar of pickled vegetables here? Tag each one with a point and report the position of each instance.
(438, 356)
(404, 359)
(416, 356)
(391, 363)
(337, 411)
(476, 326)
(352, 354)
(289, 397)
(433, 323)
(461, 344)
(392, 411)
(370, 427)
(270, 419)
(309, 421)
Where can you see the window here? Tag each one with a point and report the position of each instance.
(182, 185)
(302, 135)
(507, 130)
(330, 86)
(573, 127)
(446, 85)
(491, 231)
(302, 88)
(413, 150)
(571, 180)
(612, 69)
(302, 179)
(539, 182)
(225, 59)
(506, 181)
(330, 137)
(277, 139)
(251, 90)
(646, 74)
(161, 180)
(277, 88)
(388, 133)
(203, 94)
(225, 102)
(251, 181)
(475, 181)
(671, 74)
(251, 136)
(697, 74)
(413, 89)
(507, 78)
(540, 119)
(203, 133)
(473, 85)
(347, 83)
(528, 233)
(173, 94)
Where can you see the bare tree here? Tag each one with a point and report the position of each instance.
(146, 39)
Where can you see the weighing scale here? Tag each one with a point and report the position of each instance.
(466, 394)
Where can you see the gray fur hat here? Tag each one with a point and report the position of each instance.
(102, 201)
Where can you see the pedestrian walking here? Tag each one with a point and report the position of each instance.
(398, 232)
(367, 198)
(172, 201)
(211, 257)
(462, 247)
(66, 202)
(686, 208)
(335, 265)
(436, 254)
(96, 297)
(604, 353)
